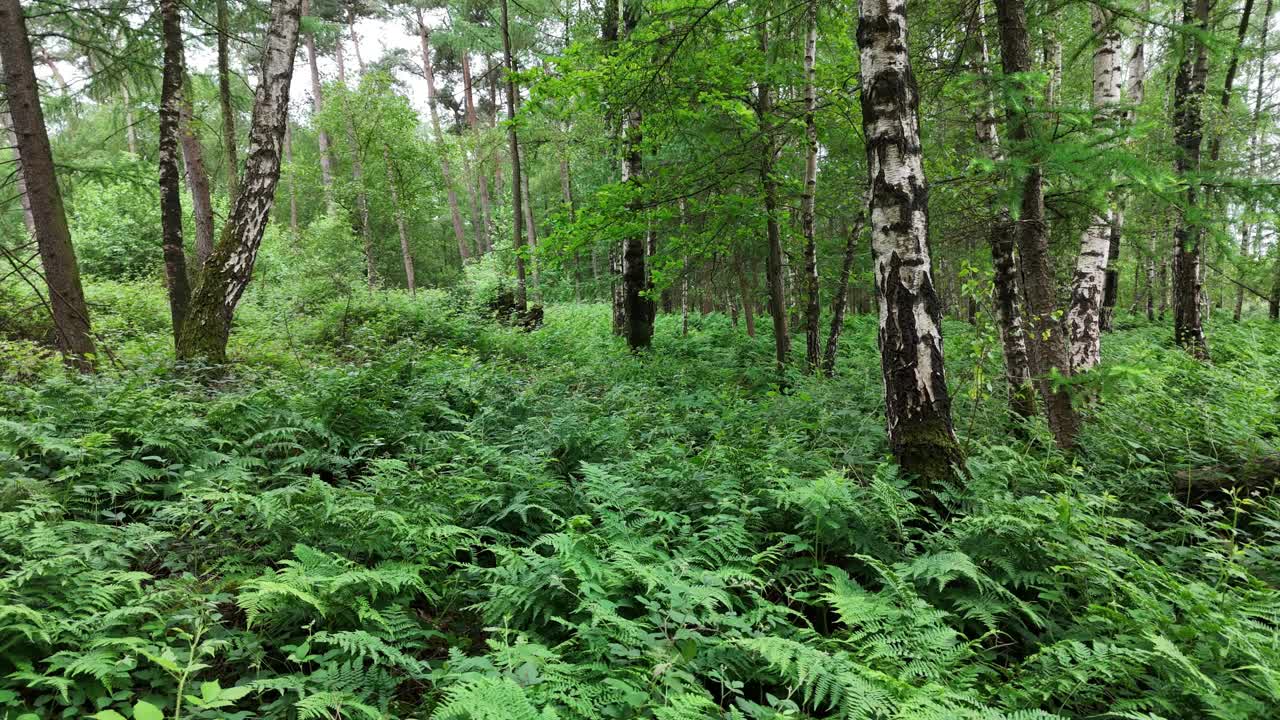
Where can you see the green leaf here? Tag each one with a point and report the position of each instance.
(146, 711)
(102, 715)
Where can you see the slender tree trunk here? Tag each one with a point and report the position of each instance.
(130, 132)
(357, 163)
(66, 302)
(481, 182)
(774, 271)
(317, 106)
(405, 254)
(19, 177)
(638, 306)
(227, 273)
(446, 172)
(841, 300)
(1084, 313)
(293, 184)
(197, 176)
(1188, 101)
(1049, 342)
(1013, 339)
(171, 102)
(813, 307)
(917, 403)
(224, 99)
(513, 141)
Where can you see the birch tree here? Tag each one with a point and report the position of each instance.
(226, 274)
(917, 403)
(1084, 313)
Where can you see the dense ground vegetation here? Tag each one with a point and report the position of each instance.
(397, 508)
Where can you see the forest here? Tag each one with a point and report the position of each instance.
(639, 359)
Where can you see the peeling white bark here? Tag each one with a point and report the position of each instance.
(917, 404)
(1084, 317)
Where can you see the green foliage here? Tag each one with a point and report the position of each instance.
(394, 509)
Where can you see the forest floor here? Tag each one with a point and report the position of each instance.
(391, 507)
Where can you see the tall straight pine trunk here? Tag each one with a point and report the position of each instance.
(1048, 347)
(446, 171)
(175, 265)
(1188, 133)
(226, 274)
(65, 300)
(917, 404)
(1084, 313)
(317, 106)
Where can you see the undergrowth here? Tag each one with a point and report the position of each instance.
(392, 508)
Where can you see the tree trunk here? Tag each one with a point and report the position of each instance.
(840, 302)
(481, 182)
(813, 307)
(446, 172)
(637, 305)
(405, 254)
(197, 175)
(227, 273)
(171, 102)
(293, 184)
(1135, 72)
(1013, 339)
(21, 184)
(917, 403)
(1084, 313)
(317, 106)
(67, 307)
(357, 166)
(513, 141)
(1049, 343)
(130, 132)
(769, 186)
(224, 99)
(1188, 100)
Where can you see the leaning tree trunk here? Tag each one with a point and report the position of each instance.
(917, 403)
(840, 302)
(1188, 128)
(175, 263)
(1084, 313)
(1013, 340)
(224, 99)
(197, 175)
(66, 302)
(813, 307)
(226, 274)
(446, 172)
(513, 141)
(774, 271)
(317, 106)
(1048, 342)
